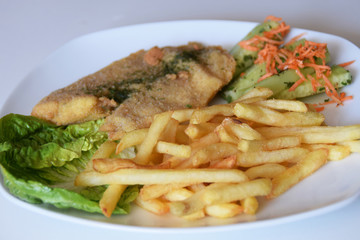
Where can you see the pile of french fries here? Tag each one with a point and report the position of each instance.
(218, 160)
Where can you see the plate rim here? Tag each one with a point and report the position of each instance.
(227, 227)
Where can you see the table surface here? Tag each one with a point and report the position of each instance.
(31, 30)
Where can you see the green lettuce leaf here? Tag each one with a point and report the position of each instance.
(39, 162)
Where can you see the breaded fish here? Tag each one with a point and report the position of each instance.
(130, 91)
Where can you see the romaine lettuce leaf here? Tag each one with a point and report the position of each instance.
(39, 162)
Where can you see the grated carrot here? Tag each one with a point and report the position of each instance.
(319, 109)
(273, 36)
(345, 64)
(294, 39)
(308, 54)
(272, 18)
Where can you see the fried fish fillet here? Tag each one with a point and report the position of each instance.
(130, 91)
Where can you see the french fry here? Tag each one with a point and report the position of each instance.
(213, 152)
(178, 194)
(269, 144)
(157, 176)
(182, 151)
(155, 130)
(181, 137)
(226, 163)
(315, 134)
(258, 92)
(280, 104)
(170, 131)
(192, 204)
(291, 176)
(268, 170)
(113, 193)
(224, 136)
(173, 161)
(353, 145)
(336, 152)
(195, 131)
(110, 198)
(107, 165)
(104, 151)
(132, 138)
(250, 100)
(236, 192)
(189, 160)
(185, 164)
(250, 159)
(182, 115)
(224, 210)
(217, 119)
(196, 187)
(250, 205)
(274, 118)
(148, 192)
(194, 216)
(241, 130)
(211, 138)
(207, 113)
(155, 206)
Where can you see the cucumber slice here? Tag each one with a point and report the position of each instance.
(245, 58)
(339, 77)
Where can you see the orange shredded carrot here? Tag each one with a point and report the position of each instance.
(319, 109)
(347, 98)
(272, 18)
(278, 59)
(263, 77)
(294, 39)
(345, 64)
(273, 36)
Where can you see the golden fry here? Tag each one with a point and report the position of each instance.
(250, 159)
(224, 210)
(224, 136)
(269, 144)
(258, 92)
(107, 165)
(268, 170)
(227, 163)
(241, 130)
(236, 192)
(280, 104)
(353, 145)
(195, 131)
(110, 198)
(250, 205)
(132, 138)
(104, 151)
(157, 176)
(315, 134)
(274, 118)
(336, 152)
(209, 139)
(182, 115)
(178, 194)
(155, 206)
(182, 151)
(291, 176)
(155, 130)
(213, 152)
(207, 113)
(148, 192)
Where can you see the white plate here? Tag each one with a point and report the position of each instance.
(333, 186)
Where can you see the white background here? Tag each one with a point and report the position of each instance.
(31, 30)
